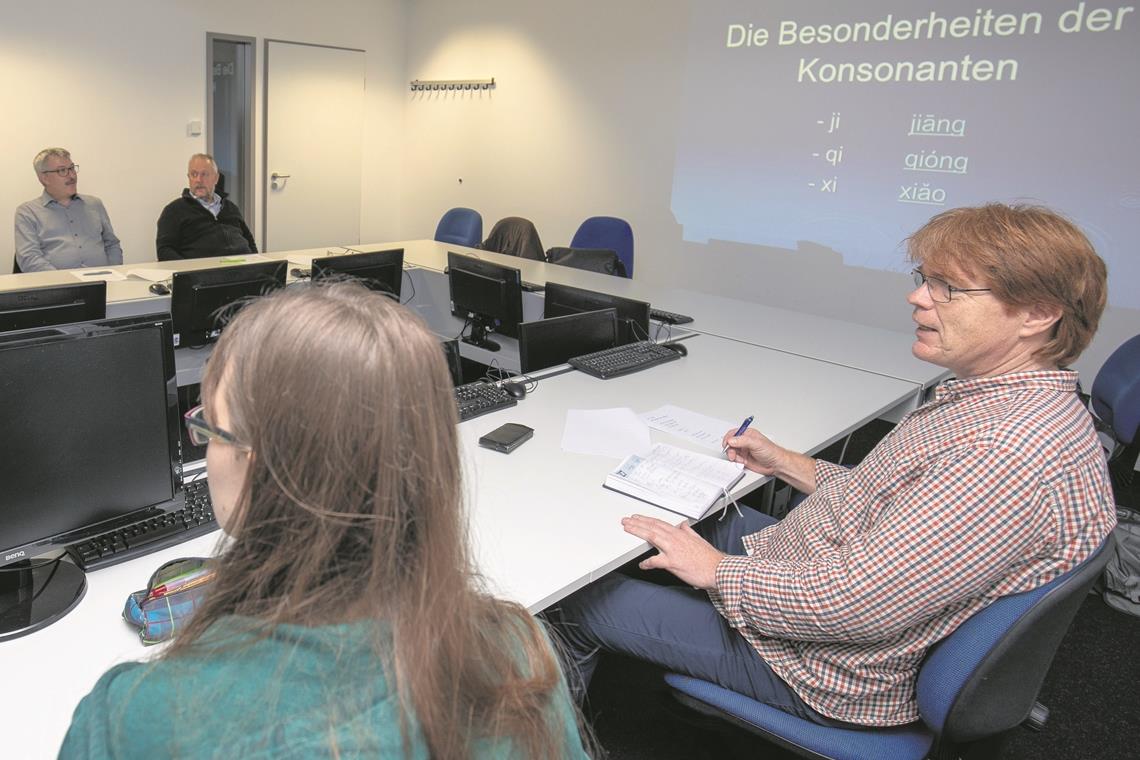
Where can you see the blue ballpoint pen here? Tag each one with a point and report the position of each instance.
(739, 432)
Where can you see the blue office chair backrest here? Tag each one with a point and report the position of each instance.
(461, 226)
(607, 232)
(979, 681)
(984, 677)
(1116, 391)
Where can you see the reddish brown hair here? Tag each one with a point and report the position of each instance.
(1029, 256)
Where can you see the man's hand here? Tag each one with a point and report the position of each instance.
(754, 450)
(759, 454)
(680, 550)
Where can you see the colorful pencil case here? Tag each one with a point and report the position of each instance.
(174, 591)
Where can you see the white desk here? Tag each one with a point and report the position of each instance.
(544, 526)
(870, 349)
(541, 524)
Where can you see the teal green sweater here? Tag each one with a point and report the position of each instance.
(301, 692)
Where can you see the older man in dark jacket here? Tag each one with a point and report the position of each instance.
(202, 222)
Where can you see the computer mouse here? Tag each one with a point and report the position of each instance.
(515, 390)
(678, 347)
(159, 289)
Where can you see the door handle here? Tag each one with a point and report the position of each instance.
(278, 180)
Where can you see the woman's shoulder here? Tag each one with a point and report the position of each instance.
(222, 686)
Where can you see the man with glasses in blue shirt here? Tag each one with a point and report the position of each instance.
(62, 229)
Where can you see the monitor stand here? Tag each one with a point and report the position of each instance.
(37, 592)
(480, 328)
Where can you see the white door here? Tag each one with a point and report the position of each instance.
(314, 111)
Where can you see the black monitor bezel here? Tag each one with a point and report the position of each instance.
(340, 265)
(91, 330)
(529, 332)
(185, 286)
(632, 314)
(89, 297)
(511, 298)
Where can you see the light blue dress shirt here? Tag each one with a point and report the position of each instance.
(214, 205)
(50, 235)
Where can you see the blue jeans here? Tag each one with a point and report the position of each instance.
(675, 627)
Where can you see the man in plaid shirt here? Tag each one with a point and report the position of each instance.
(994, 487)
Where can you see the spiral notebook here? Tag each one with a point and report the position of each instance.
(675, 479)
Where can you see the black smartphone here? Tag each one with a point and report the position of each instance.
(507, 438)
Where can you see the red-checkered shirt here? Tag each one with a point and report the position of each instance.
(995, 487)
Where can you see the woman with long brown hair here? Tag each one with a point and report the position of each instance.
(345, 618)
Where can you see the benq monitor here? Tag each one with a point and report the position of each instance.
(95, 406)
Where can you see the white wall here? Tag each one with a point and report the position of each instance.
(583, 122)
(117, 81)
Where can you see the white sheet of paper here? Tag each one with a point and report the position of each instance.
(93, 275)
(698, 428)
(614, 433)
(151, 275)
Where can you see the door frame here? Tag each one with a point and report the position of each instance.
(265, 123)
(247, 203)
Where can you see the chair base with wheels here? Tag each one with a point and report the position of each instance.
(973, 686)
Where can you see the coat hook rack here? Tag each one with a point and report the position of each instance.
(420, 85)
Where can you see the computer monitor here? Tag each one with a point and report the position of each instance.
(548, 342)
(632, 315)
(52, 305)
(379, 270)
(489, 295)
(92, 413)
(202, 301)
(454, 360)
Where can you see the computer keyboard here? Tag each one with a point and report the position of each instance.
(669, 317)
(156, 530)
(622, 360)
(476, 399)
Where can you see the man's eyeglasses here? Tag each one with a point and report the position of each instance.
(63, 171)
(202, 432)
(940, 290)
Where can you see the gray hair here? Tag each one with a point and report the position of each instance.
(40, 161)
(204, 157)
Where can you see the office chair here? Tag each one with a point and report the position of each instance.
(515, 236)
(1115, 401)
(601, 260)
(607, 232)
(977, 683)
(460, 226)
(16, 266)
